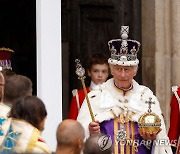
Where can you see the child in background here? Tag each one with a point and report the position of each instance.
(98, 71)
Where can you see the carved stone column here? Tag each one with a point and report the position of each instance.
(163, 50)
(156, 50)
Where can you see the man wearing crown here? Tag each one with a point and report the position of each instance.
(174, 130)
(5, 63)
(4, 110)
(118, 104)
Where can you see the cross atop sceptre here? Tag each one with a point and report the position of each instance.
(150, 103)
(80, 71)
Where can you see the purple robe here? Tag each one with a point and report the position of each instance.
(107, 127)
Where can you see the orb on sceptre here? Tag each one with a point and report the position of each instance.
(80, 71)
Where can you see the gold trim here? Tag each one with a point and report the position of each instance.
(128, 133)
(4, 105)
(6, 49)
(135, 144)
(8, 135)
(133, 136)
(113, 113)
(121, 125)
(115, 133)
(32, 141)
(119, 90)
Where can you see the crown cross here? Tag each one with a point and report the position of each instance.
(124, 30)
(124, 36)
(150, 103)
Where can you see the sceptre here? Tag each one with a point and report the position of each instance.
(80, 71)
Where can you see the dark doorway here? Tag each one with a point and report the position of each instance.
(18, 32)
(87, 26)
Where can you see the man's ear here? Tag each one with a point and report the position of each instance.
(135, 71)
(79, 143)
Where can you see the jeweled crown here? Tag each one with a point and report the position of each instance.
(5, 55)
(124, 51)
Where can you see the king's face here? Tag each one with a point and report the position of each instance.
(123, 75)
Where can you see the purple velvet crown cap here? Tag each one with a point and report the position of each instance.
(124, 51)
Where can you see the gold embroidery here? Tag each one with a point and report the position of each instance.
(115, 132)
(135, 144)
(123, 101)
(131, 115)
(113, 113)
(128, 134)
(121, 126)
(126, 101)
(32, 140)
(122, 136)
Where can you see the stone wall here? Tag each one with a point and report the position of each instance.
(161, 49)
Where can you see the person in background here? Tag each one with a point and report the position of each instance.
(28, 116)
(174, 129)
(3, 109)
(16, 87)
(8, 72)
(70, 137)
(119, 103)
(98, 71)
(5, 66)
(98, 144)
(5, 55)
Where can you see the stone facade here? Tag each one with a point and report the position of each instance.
(161, 49)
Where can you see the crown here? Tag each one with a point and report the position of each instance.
(5, 54)
(124, 51)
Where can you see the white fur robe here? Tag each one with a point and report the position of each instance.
(107, 97)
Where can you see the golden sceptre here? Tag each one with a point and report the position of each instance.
(80, 71)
